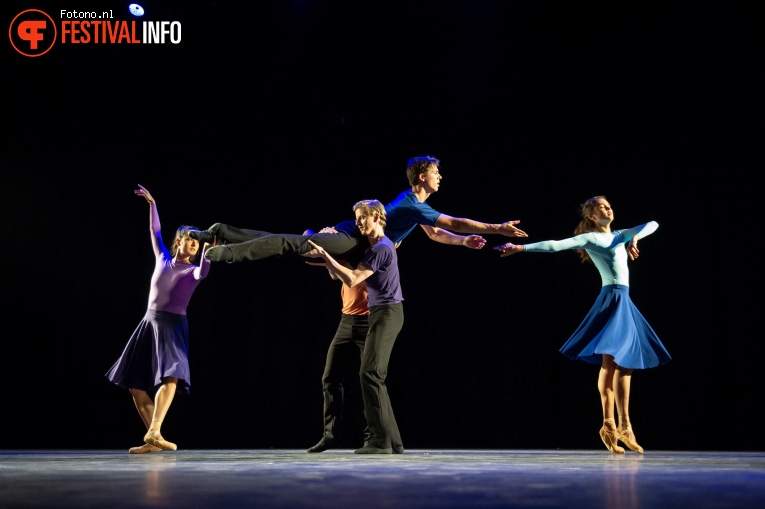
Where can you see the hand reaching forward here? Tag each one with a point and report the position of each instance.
(508, 249)
(473, 242)
(509, 230)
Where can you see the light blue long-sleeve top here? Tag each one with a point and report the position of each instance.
(607, 250)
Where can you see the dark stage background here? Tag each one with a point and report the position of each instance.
(280, 115)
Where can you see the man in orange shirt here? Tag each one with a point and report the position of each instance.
(344, 350)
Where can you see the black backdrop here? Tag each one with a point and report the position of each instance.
(279, 115)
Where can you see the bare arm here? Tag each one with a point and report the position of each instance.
(324, 264)
(463, 225)
(351, 277)
(326, 229)
(447, 237)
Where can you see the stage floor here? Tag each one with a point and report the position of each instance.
(459, 479)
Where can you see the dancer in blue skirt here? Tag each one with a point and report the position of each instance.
(155, 359)
(613, 334)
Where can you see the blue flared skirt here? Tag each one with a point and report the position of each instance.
(157, 349)
(614, 326)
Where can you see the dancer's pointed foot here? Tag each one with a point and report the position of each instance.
(207, 235)
(143, 449)
(609, 435)
(219, 254)
(154, 438)
(627, 436)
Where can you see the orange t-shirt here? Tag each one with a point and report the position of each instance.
(354, 299)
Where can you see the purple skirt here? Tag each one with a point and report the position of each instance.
(614, 326)
(157, 349)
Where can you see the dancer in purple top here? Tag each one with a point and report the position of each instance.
(379, 269)
(613, 334)
(155, 359)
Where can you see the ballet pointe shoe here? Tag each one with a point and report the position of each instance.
(627, 437)
(153, 437)
(609, 435)
(143, 449)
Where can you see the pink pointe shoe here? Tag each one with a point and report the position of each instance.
(143, 449)
(628, 438)
(155, 439)
(609, 435)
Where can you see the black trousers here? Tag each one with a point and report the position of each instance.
(343, 357)
(247, 244)
(385, 322)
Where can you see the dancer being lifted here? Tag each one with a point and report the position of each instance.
(404, 213)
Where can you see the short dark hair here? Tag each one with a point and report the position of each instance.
(417, 165)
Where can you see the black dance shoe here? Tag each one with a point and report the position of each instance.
(324, 444)
(219, 254)
(368, 449)
(206, 235)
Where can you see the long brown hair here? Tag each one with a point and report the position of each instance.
(586, 224)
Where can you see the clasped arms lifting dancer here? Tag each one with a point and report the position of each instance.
(155, 359)
(378, 268)
(404, 214)
(613, 334)
(346, 242)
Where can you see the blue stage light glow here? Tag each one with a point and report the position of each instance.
(135, 9)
